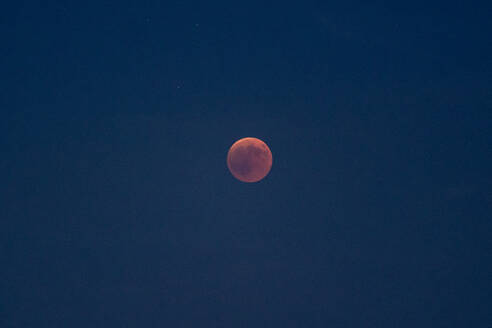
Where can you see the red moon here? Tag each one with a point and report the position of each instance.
(249, 159)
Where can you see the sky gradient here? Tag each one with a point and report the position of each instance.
(117, 208)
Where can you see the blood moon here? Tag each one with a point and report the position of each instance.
(249, 159)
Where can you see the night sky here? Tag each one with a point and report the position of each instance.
(117, 208)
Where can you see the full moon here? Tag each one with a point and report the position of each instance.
(249, 159)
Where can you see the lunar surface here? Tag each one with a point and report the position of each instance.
(249, 159)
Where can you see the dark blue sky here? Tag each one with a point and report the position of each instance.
(117, 208)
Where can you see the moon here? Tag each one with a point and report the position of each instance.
(249, 159)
